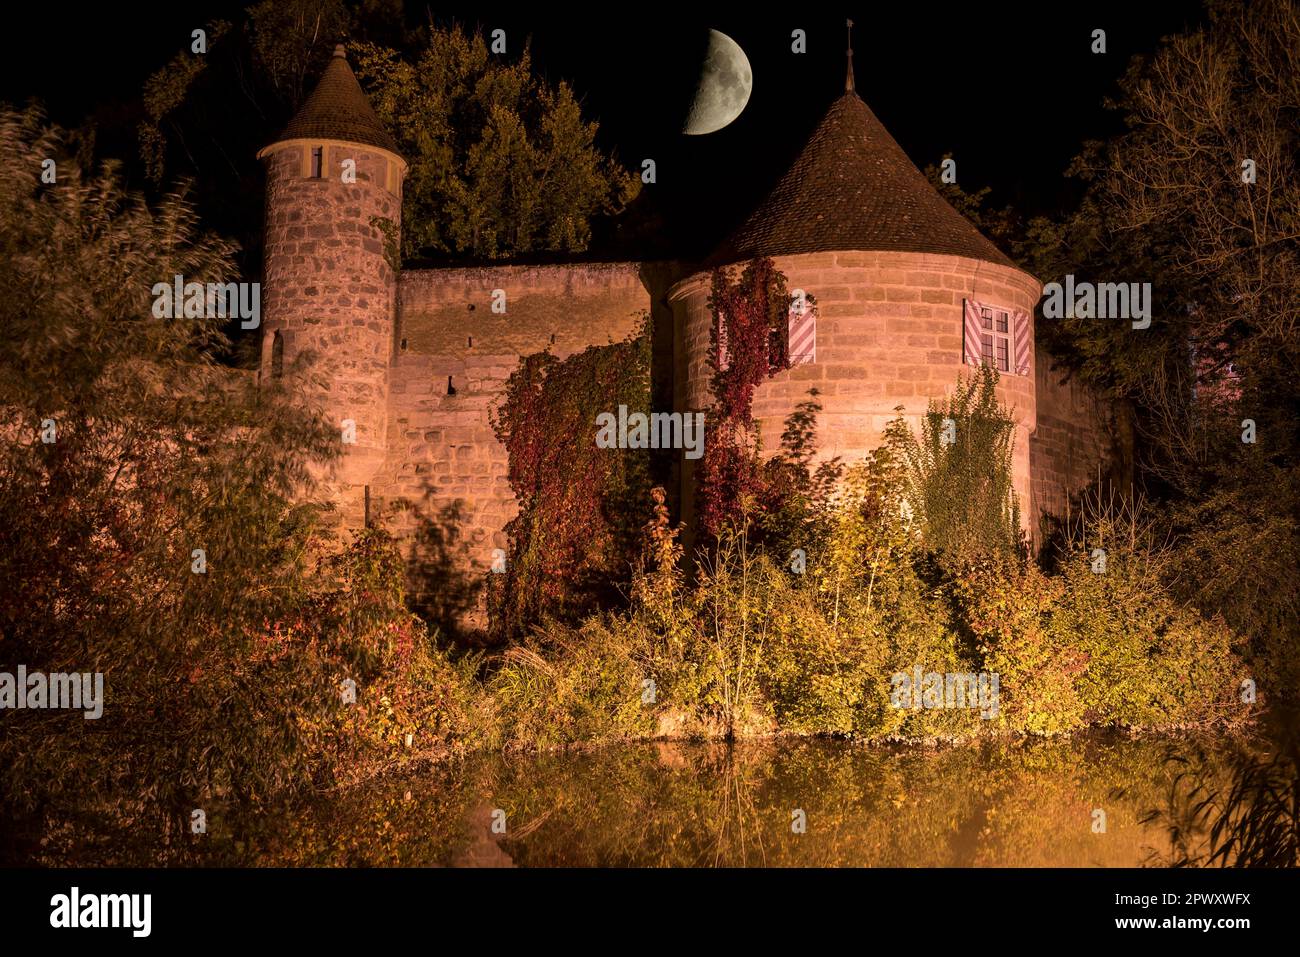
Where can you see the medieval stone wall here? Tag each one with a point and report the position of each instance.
(443, 481)
(419, 360)
(889, 333)
(1073, 439)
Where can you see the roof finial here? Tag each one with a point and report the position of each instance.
(340, 50)
(848, 76)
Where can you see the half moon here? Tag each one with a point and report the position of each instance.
(725, 84)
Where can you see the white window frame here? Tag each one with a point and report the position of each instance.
(997, 333)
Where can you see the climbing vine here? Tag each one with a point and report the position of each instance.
(580, 506)
(747, 343)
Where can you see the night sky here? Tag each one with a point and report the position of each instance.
(1011, 95)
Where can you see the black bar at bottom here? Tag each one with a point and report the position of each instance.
(350, 908)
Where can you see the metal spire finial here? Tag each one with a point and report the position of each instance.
(848, 76)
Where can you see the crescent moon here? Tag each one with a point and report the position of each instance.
(725, 84)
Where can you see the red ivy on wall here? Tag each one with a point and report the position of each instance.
(580, 506)
(751, 313)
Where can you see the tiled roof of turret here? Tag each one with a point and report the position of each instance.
(853, 188)
(338, 110)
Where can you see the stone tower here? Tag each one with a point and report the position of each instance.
(908, 296)
(333, 219)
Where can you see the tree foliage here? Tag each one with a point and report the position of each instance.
(1173, 201)
(796, 489)
(157, 527)
(1205, 186)
(501, 162)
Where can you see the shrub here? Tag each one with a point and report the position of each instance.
(588, 687)
(961, 489)
(795, 495)
(159, 452)
(1100, 649)
(754, 646)
(1008, 606)
(1151, 662)
(406, 683)
(168, 538)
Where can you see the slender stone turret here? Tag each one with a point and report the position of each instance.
(333, 220)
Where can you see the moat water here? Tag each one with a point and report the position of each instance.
(1075, 803)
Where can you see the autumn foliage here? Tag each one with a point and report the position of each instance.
(579, 505)
(747, 344)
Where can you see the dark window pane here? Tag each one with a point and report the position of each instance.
(1002, 355)
(1002, 322)
(986, 318)
(986, 347)
(316, 162)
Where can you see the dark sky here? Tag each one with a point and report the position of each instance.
(1012, 91)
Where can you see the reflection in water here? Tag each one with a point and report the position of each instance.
(1240, 810)
(1031, 804)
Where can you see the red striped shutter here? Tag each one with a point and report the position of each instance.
(1020, 325)
(970, 325)
(802, 334)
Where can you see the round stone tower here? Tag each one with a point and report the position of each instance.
(908, 296)
(333, 220)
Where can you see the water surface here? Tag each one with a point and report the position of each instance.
(1073, 803)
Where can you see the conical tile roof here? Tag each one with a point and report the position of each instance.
(853, 188)
(338, 110)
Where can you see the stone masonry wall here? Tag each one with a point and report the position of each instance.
(444, 478)
(1072, 439)
(889, 333)
(330, 292)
